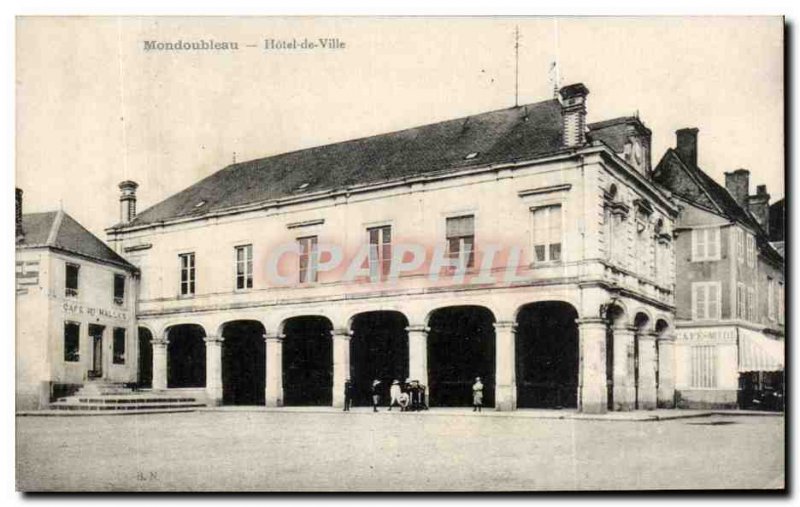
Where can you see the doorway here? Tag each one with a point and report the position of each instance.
(96, 338)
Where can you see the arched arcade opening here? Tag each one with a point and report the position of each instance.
(186, 356)
(243, 363)
(378, 350)
(307, 361)
(547, 355)
(461, 346)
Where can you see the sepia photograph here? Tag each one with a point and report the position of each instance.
(400, 254)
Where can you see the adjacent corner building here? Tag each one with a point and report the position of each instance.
(75, 318)
(730, 326)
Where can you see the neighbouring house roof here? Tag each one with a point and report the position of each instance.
(507, 135)
(706, 192)
(59, 231)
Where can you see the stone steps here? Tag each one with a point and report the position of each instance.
(106, 397)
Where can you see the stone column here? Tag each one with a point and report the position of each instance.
(418, 355)
(624, 381)
(505, 391)
(341, 364)
(647, 371)
(159, 363)
(214, 369)
(666, 371)
(273, 390)
(592, 390)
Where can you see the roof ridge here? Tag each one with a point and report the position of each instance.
(53, 234)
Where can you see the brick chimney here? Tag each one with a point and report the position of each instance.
(20, 232)
(127, 201)
(573, 112)
(738, 185)
(687, 145)
(759, 206)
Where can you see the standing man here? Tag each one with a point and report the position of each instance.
(394, 395)
(376, 397)
(477, 395)
(348, 394)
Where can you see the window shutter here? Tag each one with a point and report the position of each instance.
(713, 301)
(712, 244)
(460, 226)
(698, 244)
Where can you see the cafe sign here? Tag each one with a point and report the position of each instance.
(91, 311)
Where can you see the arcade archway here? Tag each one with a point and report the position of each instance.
(307, 361)
(547, 350)
(243, 363)
(378, 350)
(186, 356)
(461, 346)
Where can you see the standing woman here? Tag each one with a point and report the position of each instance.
(376, 397)
(477, 395)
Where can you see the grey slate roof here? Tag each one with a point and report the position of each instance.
(58, 230)
(506, 135)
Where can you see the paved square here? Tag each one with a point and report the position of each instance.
(334, 451)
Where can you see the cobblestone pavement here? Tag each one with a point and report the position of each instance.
(240, 450)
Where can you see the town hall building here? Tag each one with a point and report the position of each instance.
(522, 246)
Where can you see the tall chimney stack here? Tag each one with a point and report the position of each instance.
(127, 201)
(20, 233)
(759, 206)
(738, 185)
(573, 112)
(687, 145)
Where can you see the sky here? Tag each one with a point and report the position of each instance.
(94, 108)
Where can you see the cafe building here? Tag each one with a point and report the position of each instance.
(75, 302)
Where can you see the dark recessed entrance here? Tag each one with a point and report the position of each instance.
(307, 361)
(186, 356)
(547, 356)
(461, 346)
(145, 358)
(378, 350)
(243, 363)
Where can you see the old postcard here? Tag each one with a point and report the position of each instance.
(400, 254)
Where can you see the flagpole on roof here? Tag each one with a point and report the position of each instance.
(556, 76)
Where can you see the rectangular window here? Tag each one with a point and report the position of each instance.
(380, 251)
(706, 300)
(739, 245)
(740, 300)
(244, 267)
(187, 274)
(72, 342)
(705, 244)
(71, 282)
(461, 239)
(119, 345)
(704, 366)
(547, 233)
(771, 293)
(751, 304)
(119, 289)
(308, 261)
(751, 251)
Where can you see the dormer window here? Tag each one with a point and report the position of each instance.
(471, 156)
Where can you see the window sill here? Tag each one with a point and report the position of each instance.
(545, 264)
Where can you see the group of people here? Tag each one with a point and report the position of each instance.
(409, 395)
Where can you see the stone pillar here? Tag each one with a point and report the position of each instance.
(647, 371)
(666, 371)
(159, 363)
(505, 390)
(624, 381)
(341, 364)
(214, 369)
(592, 389)
(418, 355)
(273, 390)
